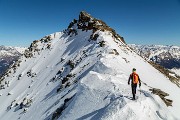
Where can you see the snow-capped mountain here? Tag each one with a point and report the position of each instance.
(8, 55)
(81, 73)
(167, 56)
(11, 51)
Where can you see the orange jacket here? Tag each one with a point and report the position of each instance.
(134, 77)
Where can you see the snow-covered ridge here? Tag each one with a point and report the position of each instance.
(82, 74)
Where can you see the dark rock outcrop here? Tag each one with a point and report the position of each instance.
(87, 22)
(162, 95)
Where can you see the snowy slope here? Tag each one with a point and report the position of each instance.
(68, 76)
(20, 49)
(177, 71)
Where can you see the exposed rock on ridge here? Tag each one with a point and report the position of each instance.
(87, 22)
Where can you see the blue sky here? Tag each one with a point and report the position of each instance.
(138, 21)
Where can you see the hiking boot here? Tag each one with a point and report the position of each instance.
(133, 96)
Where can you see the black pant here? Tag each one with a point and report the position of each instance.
(133, 86)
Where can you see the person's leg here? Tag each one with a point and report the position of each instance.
(133, 91)
(135, 86)
(132, 88)
(134, 97)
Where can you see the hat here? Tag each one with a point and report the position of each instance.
(134, 69)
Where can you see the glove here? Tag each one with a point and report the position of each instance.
(139, 84)
(128, 83)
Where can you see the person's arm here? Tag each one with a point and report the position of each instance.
(139, 81)
(129, 79)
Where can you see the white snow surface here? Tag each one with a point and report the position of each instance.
(177, 71)
(98, 90)
(20, 49)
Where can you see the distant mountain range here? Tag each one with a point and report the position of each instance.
(8, 55)
(166, 56)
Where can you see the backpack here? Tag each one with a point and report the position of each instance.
(135, 78)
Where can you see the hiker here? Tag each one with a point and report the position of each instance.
(134, 77)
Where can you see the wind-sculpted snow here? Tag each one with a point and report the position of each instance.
(107, 96)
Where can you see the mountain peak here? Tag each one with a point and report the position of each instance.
(88, 22)
(85, 17)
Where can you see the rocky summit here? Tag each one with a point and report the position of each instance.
(87, 22)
